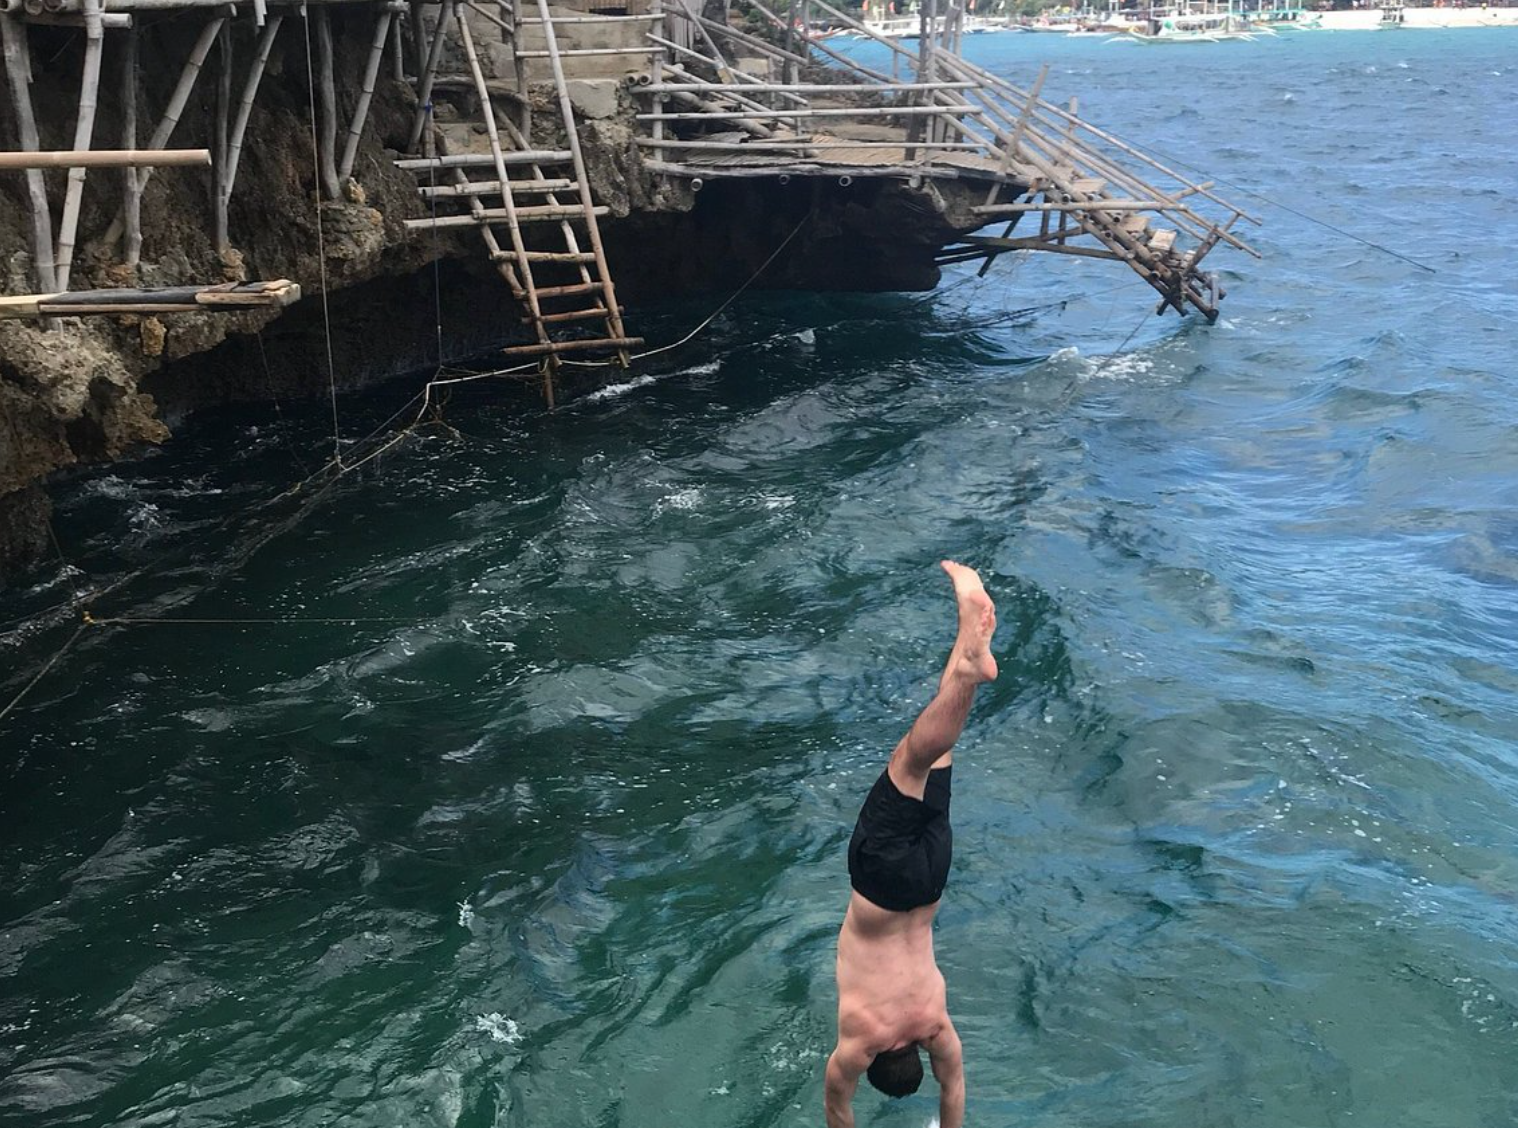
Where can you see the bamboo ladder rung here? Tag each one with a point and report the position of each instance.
(569, 315)
(556, 347)
(561, 291)
(580, 52)
(491, 187)
(545, 256)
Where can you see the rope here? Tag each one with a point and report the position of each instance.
(715, 313)
(42, 673)
(321, 246)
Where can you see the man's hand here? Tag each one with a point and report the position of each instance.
(845, 1067)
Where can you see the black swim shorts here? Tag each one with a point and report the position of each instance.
(900, 853)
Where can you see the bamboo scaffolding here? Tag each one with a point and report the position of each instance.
(84, 133)
(226, 297)
(752, 85)
(165, 127)
(724, 72)
(818, 45)
(18, 69)
(240, 125)
(1052, 112)
(656, 66)
(755, 81)
(366, 95)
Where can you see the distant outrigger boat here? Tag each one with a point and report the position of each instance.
(1184, 26)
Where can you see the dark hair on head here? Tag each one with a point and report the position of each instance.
(896, 1073)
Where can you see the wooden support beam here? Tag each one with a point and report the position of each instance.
(226, 297)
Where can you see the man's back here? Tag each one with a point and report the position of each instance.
(890, 991)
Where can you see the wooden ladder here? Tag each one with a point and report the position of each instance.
(559, 274)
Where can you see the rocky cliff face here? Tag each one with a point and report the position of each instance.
(90, 390)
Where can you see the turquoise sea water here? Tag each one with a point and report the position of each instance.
(557, 837)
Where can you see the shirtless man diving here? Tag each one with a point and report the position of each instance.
(891, 997)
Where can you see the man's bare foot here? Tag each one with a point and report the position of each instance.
(971, 657)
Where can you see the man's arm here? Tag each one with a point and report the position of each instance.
(945, 1053)
(845, 1067)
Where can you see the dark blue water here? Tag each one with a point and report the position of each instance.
(554, 835)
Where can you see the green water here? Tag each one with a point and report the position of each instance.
(559, 838)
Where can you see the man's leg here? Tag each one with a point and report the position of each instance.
(927, 744)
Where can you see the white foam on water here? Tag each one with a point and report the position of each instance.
(499, 1027)
(688, 498)
(614, 391)
(466, 914)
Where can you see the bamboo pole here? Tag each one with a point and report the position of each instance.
(656, 69)
(397, 53)
(165, 128)
(220, 190)
(108, 158)
(174, 299)
(131, 183)
(829, 111)
(787, 144)
(480, 160)
(326, 88)
(84, 133)
(414, 21)
(18, 68)
(366, 95)
(807, 87)
(428, 76)
(240, 125)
